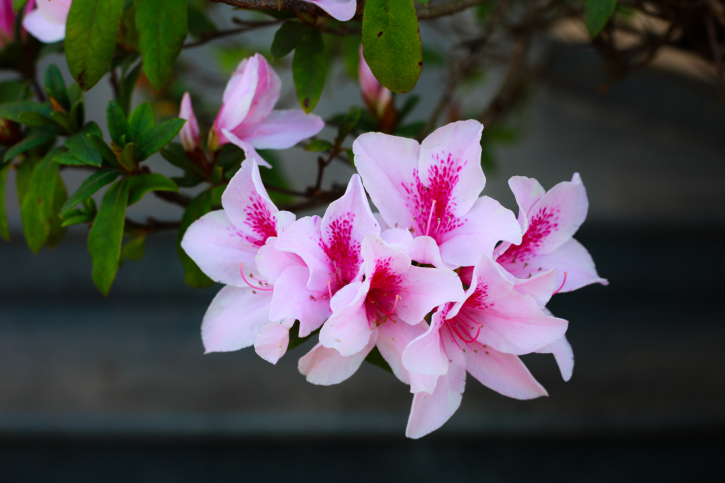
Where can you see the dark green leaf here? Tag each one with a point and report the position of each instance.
(134, 248)
(376, 358)
(162, 27)
(174, 153)
(11, 110)
(103, 149)
(76, 217)
(597, 13)
(57, 230)
(318, 145)
(294, 336)
(126, 88)
(36, 119)
(62, 119)
(23, 175)
(128, 157)
(198, 207)
(36, 208)
(152, 140)
(4, 228)
(90, 38)
(229, 155)
(144, 183)
(67, 159)
(290, 34)
(77, 115)
(34, 139)
(391, 43)
(309, 69)
(90, 185)
(82, 148)
(14, 90)
(348, 124)
(141, 119)
(117, 124)
(189, 180)
(199, 24)
(106, 234)
(55, 86)
(18, 4)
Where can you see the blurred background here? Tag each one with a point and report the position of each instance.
(118, 388)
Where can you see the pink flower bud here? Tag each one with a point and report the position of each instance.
(190, 132)
(377, 97)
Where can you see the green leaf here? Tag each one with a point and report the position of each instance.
(82, 148)
(290, 34)
(117, 124)
(294, 336)
(141, 119)
(76, 217)
(174, 153)
(33, 140)
(77, 115)
(13, 90)
(152, 140)
(128, 157)
(55, 86)
(144, 183)
(199, 206)
(126, 88)
(351, 54)
(68, 159)
(348, 124)
(106, 235)
(90, 39)
(4, 227)
(11, 110)
(199, 24)
(37, 204)
(309, 69)
(391, 43)
(597, 13)
(134, 248)
(162, 26)
(376, 358)
(318, 145)
(18, 4)
(57, 230)
(101, 146)
(62, 119)
(90, 185)
(23, 175)
(36, 119)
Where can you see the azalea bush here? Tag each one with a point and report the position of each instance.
(438, 282)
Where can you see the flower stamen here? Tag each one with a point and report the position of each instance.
(241, 272)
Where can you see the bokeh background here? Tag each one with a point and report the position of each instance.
(118, 388)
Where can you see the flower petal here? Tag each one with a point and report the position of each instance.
(486, 224)
(234, 319)
(450, 165)
(430, 411)
(271, 262)
(387, 165)
(325, 366)
(266, 96)
(348, 330)
(249, 152)
(280, 129)
(237, 99)
(427, 288)
(304, 239)
(425, 354)
(504, 373)
(41, 28)
(342, 10)
(190, 132)
(272, 340)
(527, 192)
(425, 250)
(541, 286)
(293, 299)
(218, 247)
(393, 338)
(564, 355)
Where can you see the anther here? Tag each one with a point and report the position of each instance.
(329, 290)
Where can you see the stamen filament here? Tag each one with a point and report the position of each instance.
(430, 217)
(241, 272)
(562, 285)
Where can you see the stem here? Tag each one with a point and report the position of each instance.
(246, 27)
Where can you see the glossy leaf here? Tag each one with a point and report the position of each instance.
(117, 124)
(33, 140)
(90, 185)
(199, 24)
(597, 13)
(152, 140)
(144, 183)
(106, 235)
(162, 27)
(37, 203)
(309, 69)
(174, 153)
(141, 119)
(391, 43)
(101, 146)
(55, 86)
(57, 230)
(126, 88)
(11, 110)
(289, 34)
(82, 148)
(90, 39)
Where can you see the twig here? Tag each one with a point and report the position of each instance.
(246, 27)
(152, 225)
(171, 197)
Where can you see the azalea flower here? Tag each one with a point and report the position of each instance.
(224, 244)
(47, 22)
(342, 10)
(7, 22)
(247, 118)
(329, 249)
(548, 221)
(482, 334)
(376, 97)
(385, 308)
(431, 190)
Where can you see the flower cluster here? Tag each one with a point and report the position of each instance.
(442, 281)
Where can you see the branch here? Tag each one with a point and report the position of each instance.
(171, 197)
(246, 27)
(152, 225)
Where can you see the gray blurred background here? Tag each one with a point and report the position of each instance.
(118, 388)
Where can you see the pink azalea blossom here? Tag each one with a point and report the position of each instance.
(482, 334)
(432, 190)
(342, 10)
(376, 97)
(224, 244)
(47, 22)
(7, 22)
(329, 248)
(247, 118)
(190, 132)
(385, 308)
